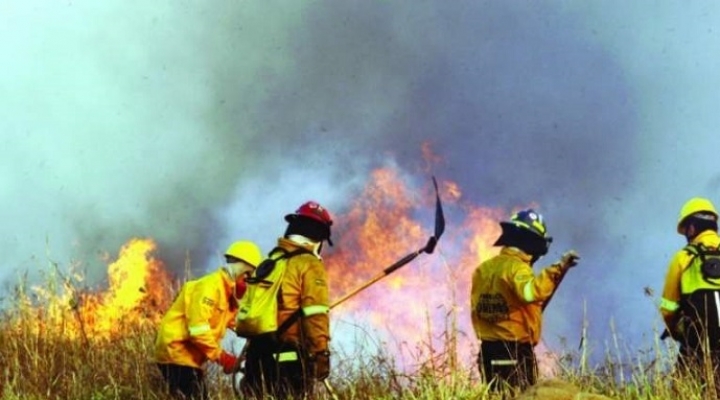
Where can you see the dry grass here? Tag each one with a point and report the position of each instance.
(43, 357)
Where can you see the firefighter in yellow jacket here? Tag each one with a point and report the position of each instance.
(690, 303)
(191, 331)
(283, 364)
(507, 300)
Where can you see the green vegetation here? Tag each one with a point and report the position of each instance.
(50, 349)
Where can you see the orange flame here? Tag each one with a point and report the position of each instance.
(389, 220)
(138, 293)
(417, 305)
(425, 305)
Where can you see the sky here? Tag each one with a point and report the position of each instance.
(198, 123)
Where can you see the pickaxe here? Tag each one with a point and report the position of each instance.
(429, 248)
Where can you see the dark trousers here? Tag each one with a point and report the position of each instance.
(277, 370)
(510, 365)
(184, 382)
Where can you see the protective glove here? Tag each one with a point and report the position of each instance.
(321, 365)
(228, 362)
(569, 259)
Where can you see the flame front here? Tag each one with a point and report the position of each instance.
(422, 302)
(138, 293)
(422, 307)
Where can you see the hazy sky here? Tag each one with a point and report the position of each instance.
(197, 123)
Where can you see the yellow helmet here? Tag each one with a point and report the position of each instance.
(694, 206)
(245, 250)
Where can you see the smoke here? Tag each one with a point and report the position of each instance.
(197, 124)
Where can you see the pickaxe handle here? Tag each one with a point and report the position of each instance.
(387, 271)
(429, 248)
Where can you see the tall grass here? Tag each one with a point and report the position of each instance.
(43, 357)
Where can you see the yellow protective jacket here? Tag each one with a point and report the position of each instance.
(506, 297)
(305, 286)
(192, 329)
(679, 283)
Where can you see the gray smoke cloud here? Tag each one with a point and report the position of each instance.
(196, 124)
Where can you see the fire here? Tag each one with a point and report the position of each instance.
(423, 307)
(419, 303)
(138, 292)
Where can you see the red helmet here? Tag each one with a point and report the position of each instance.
(310, 220)
(312, 210)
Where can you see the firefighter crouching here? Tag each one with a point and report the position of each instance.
(285, 365)
(507, 301)
(191, 331)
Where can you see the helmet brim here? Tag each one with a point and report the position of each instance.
(708, 215)
(526, 239)
(290, 218)
(232, 259)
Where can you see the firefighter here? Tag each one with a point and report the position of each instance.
(191, 331)
(285, 363)
(690, 303)
(507, 301)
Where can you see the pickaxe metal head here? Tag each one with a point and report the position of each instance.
(430, 246)
(439, 221)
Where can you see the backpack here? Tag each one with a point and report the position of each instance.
(710, 262)
(258, 308)
(701, 306)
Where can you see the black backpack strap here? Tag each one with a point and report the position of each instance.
(287, 254)
(694, 251)
(268, 264)
(293, 318)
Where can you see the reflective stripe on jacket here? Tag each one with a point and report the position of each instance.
(305, 286)
(506, 297)
(676, 284)
(192, 329)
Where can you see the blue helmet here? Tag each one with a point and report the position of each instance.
(531, 220)
(526, 230)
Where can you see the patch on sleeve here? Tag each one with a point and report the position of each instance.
(523, 277)
(208, 301)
